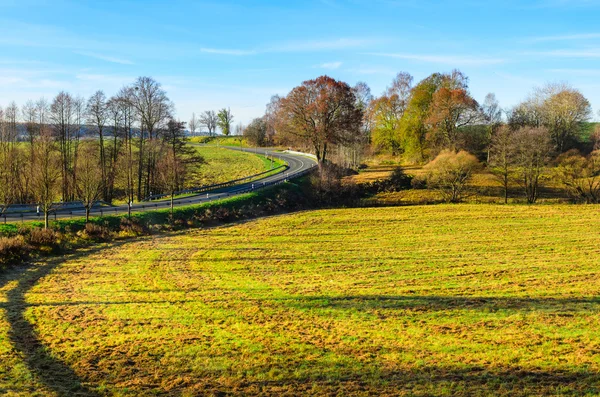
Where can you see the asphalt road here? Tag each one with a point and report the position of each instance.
(297, 165)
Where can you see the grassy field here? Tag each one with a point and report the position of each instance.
(220, 140)
(436, 300)
(224, 165)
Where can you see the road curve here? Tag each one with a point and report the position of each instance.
(297, 165)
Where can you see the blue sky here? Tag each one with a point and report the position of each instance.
(210, 55)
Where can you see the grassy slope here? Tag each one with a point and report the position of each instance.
(440, 300)
(224, 165)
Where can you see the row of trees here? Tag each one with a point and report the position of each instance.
(416, 121)
(437, 120)
(210, 120)
(123, 147)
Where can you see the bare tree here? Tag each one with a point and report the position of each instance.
(271, 119)
(580, 175)
(89, 180)
(501, 158)
(97, 112)
(193, 124)
(154, 109)
(8, 159)
(46, 172)
(533, 147)
(62, 115)
(492, 117)
(209, 120)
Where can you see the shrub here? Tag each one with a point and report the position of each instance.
(95, 232)
(13, 250)
(450, 173)
(327, 187)
(43, 238)
(580, 175)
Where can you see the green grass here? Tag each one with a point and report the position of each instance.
(436, 300)
(224, 165)
(220, 140)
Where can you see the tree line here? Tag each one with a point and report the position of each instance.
(438, 121)
(124, 147)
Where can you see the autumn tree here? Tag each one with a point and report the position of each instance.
(224, 121)
(320, 113)
(386, 112)
(451, 109)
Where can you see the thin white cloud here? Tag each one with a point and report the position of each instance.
(442, 59)
(227, 51)
(583, 53)
(577, 72)
(330, 65)
(566, 37)
(103, 57)
(295, 46)
(321, 45)
(372, 71)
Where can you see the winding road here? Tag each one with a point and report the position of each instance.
(297, 165)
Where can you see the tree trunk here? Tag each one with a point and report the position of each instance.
(46, 217)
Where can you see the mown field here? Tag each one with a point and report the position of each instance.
(222, 165)
(436, 300)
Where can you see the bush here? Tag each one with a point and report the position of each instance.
(132, 226)
(580, 175)
(13, 250)
(95, 232)
(450, 173)
(43, 238)
(327, 187)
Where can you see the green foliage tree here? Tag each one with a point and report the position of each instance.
(225, 120)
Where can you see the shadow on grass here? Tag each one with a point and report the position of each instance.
(334, 379)
(442, 303)
(48, 369)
